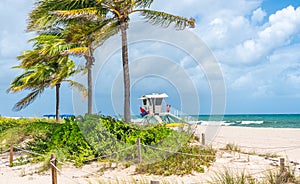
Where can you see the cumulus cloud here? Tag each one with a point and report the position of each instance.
(259, 56)
(278, 32)
(277, 77)
(258, 15)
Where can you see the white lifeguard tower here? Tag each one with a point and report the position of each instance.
(153, 111)
(152, 104)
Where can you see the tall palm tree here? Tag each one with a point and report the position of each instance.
(118, 11)
(43, 67)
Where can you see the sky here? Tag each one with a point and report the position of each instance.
(249, 61)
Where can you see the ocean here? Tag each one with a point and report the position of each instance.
(252, 120)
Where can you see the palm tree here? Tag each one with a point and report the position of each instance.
(87, 34)
(120, 11)
(44, 67)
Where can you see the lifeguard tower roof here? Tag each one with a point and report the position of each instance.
(154, 95)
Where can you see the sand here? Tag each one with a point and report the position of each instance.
(252, 141)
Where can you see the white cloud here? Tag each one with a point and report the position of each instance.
(258, 15)
(278, 32)
(280, 76)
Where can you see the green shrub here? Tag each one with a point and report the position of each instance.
(128, 133)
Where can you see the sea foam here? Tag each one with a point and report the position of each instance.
(251, 122)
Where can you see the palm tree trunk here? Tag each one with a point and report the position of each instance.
(125, 72)
(57, 86)
(90, 82)
(90, 90)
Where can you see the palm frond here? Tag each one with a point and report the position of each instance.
(78, 51)
(143, 3)
(29, 58)
(18, 83)
(104, 33)
(28, 99)
(165, 19)
(89, 13)
(42, 19)
(81, 88)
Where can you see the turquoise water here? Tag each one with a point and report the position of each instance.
(253, 120)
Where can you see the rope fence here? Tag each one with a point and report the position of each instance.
(139, 154)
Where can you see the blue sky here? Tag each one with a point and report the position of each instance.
(256, 44)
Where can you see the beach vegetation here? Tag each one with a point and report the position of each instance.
(269, 155)
(99, 138)
(270, 176)
(232, 147)
(236, 148)
(228, 176)
(187, 160)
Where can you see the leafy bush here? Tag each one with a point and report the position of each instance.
(17, 130)
(93, 136)
(128, 133)
(113, 138)
(68, 138)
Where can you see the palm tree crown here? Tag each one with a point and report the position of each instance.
(44, 67)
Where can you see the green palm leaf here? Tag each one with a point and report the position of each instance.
(165, 19)
(81, 88)
(90, 13)
(28, 99)
(143, 3)
(78, 51)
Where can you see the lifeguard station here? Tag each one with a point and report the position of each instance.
(155, 110)
(152, 104)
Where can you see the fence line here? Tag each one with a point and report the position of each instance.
(152, 147)
(63, 173)
(30, 152)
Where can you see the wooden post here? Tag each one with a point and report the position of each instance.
(53, 169)
(11, 154)
(139, 150)
(203, 139)
(154, 182)
(281, 164)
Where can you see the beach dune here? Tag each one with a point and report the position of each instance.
(284, 142)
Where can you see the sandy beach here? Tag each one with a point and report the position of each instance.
(251, 141)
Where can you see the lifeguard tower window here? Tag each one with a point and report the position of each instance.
(158, 101)
(144, 101)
